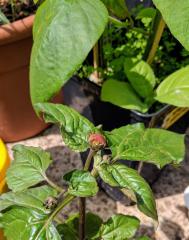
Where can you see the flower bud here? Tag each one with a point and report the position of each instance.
(97, 141)
(50, 203)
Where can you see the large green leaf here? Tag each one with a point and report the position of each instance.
(69, 230)
(26, 224)
(128, 178)
(122, 95)
(75, 128)
(31, 198)
(141, 77)
(158, 146)
(117, 8)
(64, 33)
(119, 227)
(28, 167)
(81, 183)
(175, 89)
(176, 16)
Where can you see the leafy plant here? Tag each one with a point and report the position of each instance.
(139, 88)
(139, 93)
(30, 210)
(40, 205)
(11, 10)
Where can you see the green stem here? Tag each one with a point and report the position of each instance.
(65, 202)
(82, 201)
(89, 159)
(155, 37)
(117, 22)
(53, 185)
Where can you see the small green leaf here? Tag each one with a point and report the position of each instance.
(31, 198)
(75, 128)
(69, 230)
(174, 89)
(23, 224)
(81, 183)
(128, 178)
(28, 167)
(64, 33)
(122, 95)
(147, 13)
(3, 18)
(117, 8)
(176, 17)
(158, 146)
(141, 77)
(119, 227)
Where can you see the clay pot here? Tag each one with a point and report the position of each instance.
(17, 118)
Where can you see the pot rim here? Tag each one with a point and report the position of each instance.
(17, 30)
(148, 115)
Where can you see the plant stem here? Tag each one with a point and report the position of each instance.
(155, 37)
(82, 201)
(65, 202)
(53, 185)
(89, 159)
(82, 213)
(96, 60)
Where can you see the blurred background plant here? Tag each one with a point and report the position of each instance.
(120, 42)
(11, 10)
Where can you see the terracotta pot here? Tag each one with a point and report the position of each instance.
(17, 118)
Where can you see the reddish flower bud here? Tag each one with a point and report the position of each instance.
(97, 141)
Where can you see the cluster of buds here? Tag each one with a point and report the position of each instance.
(97, 141)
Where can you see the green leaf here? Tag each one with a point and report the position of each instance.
(23, 224)
(119, 227)
(122, 95)
(141, 77)
(64, 33)
(158, 146)
(69, 230)
(31, 198)
(81, 183)
(117, 8)
(28, 167)
(176, 16)
(147, 13)
(174, 89)
(129, 178)
(75, 128)
(3, 18)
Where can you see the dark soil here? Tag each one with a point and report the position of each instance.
(18, 9)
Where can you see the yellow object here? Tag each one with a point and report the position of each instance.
(173, 117)
(4, 164)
